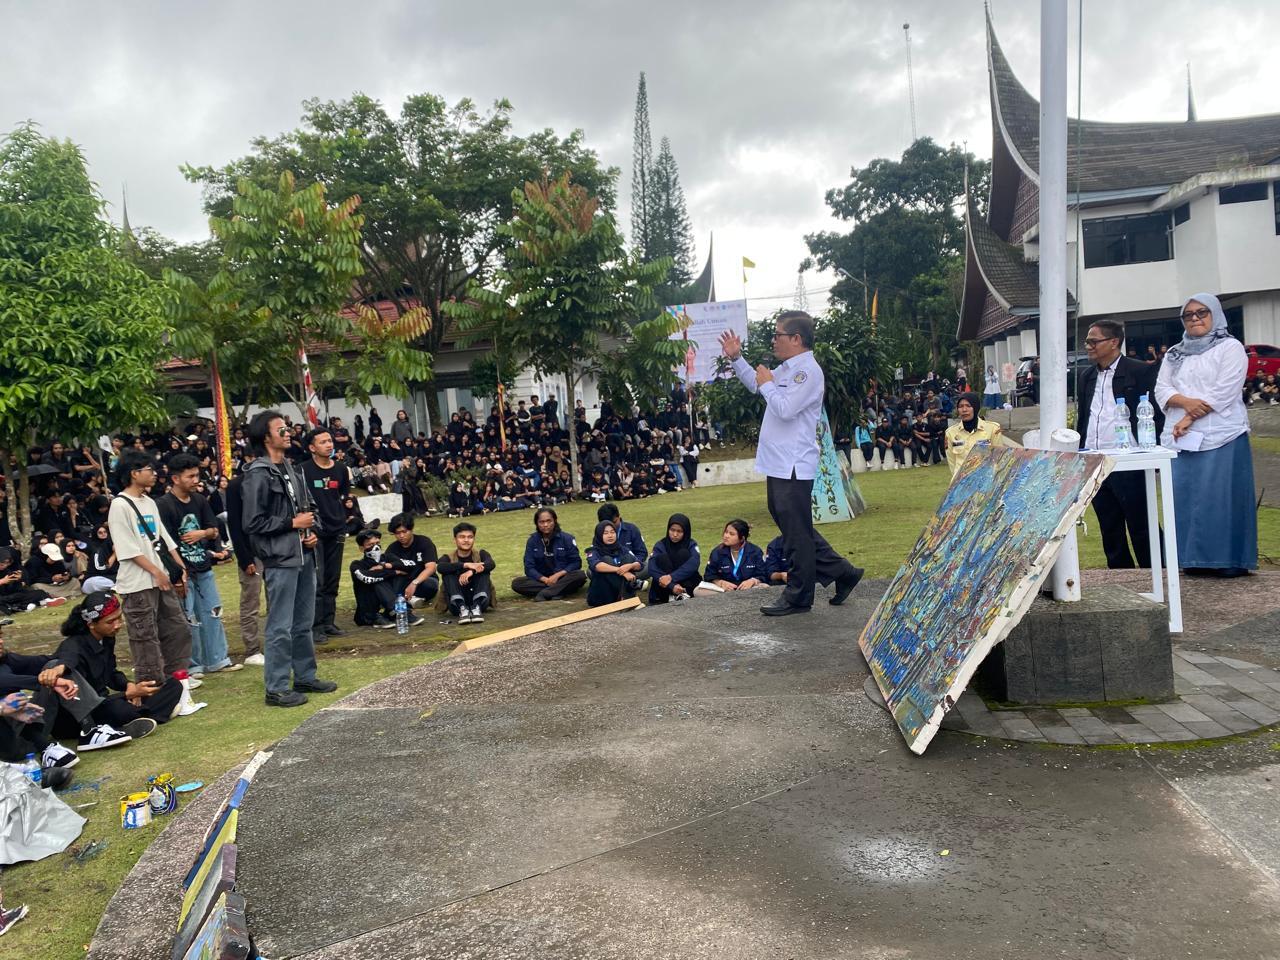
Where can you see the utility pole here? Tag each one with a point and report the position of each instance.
(911, 84)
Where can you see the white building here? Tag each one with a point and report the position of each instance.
(1156, 213)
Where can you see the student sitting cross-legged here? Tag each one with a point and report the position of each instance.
(735, 563)
(674, 563)
(372, 580)
(552, 564)
(613, 567)
(466, 587)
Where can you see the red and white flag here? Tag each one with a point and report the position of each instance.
(309, 391)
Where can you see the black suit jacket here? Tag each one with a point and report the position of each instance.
(1132, 379)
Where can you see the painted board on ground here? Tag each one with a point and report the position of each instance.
(835, 494)
(220, 879)
(225, 935)
(972, 576)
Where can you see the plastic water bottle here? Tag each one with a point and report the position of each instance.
(1146, 423)
(1124, 432)
(402, 615)
(31, 769)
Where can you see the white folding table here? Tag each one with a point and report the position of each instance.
(1158, 460)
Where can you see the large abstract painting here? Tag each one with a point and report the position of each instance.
(972, 576)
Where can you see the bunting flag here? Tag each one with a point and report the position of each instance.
(747, 264)
(309, 391)
(221, 421)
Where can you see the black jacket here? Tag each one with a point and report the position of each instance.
(235, 523)
(268, 510)
(18, 672)
(1132, 379)
(95, 660)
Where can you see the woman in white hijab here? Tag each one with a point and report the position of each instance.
(1200, 390)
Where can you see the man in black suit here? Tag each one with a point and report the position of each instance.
(1122, 499)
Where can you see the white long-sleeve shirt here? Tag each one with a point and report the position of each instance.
(793, 403)
(1216, 377)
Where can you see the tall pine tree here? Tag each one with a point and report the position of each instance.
(671, 235)
(641, 179)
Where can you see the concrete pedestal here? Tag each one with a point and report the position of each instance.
(1112, 645)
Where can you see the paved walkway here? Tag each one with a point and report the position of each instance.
(697, 781)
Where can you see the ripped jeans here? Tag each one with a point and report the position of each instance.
(203, 607)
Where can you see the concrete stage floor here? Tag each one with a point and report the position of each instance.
(698, 781)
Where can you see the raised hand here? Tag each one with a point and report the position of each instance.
(731, 345)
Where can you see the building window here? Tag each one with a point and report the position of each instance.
(1243, 193)
(1113, 241)
(1181, 213)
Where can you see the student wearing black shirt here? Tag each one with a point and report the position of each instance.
(903, 436)
(413, 560)
(467, 588)
(371, 580)
(329, 483)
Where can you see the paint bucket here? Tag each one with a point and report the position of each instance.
(162, 795)
(135, 810)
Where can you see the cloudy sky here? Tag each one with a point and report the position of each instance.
(767, 104)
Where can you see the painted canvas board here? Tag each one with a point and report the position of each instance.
(835, 494)
(972, 576)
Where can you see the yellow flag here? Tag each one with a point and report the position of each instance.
(875, 303)
(746, 263)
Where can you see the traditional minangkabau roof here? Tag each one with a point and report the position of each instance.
(996, 266)
(1126, 156)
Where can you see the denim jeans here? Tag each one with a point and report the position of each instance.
(204, 609)
(291, 601)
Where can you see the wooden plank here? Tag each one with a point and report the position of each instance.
(529, 629)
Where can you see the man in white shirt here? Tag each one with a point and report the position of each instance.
(1121, 501)
(787, 454)
(159, 635)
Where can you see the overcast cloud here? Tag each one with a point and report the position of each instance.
(767, 104)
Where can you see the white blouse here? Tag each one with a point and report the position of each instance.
(1217, 378)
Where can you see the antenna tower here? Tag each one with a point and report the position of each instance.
(801, 301)
(911, 85)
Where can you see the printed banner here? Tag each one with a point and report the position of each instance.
(835, 494)
(702, 324)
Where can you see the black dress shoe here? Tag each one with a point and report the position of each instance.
(845, 587)
(333, 630)
(782, 610)
(315, 686)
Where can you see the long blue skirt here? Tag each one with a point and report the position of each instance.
(1216, 510)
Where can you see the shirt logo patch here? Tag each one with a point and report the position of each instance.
(800, 377)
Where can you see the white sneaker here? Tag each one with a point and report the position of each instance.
(56, 755)
(476, 615)
(103, 736)
(464, 615)
(255, 660)
(195, 674)
(229, 668)
(194, 682)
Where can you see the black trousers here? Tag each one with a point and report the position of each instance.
(372, 599)
(476, 592)
(812, 559)
(608, 588)
(567, 585)
(71, 716)
(117, 711)
(1121, 502)
(328, 575)
(425, 591)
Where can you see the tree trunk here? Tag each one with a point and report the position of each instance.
(574, 466)
(11, 498)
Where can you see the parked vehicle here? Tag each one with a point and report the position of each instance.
(1263, 359)
(1027, 379)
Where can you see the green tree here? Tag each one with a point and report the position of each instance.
(568, 290)
(641, 368)
(288, 263)
(436, 183)
(671, 234)
(81, 328)
(642, 196)
(907, 224)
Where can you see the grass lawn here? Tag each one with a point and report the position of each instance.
(67, 897)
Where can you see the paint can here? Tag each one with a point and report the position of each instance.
(162, 795)
(135, 810)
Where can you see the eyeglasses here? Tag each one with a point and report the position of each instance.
(783, 333)
(282, 432)
(1196, 314)
(1091, 342)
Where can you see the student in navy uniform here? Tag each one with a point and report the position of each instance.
(735, 563)
(675, 563)
(787, 454)
(371, 580)
(414, 558)
(628, 533)
(552, 564)
(613, 567)
(776, 562)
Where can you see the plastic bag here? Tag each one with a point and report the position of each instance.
(34, 823)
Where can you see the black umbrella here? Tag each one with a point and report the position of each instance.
(40, 470)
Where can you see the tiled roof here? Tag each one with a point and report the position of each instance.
(1124, 156)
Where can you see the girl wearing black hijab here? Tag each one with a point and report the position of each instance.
(971, 431)
(612, 566)
(675, 563)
